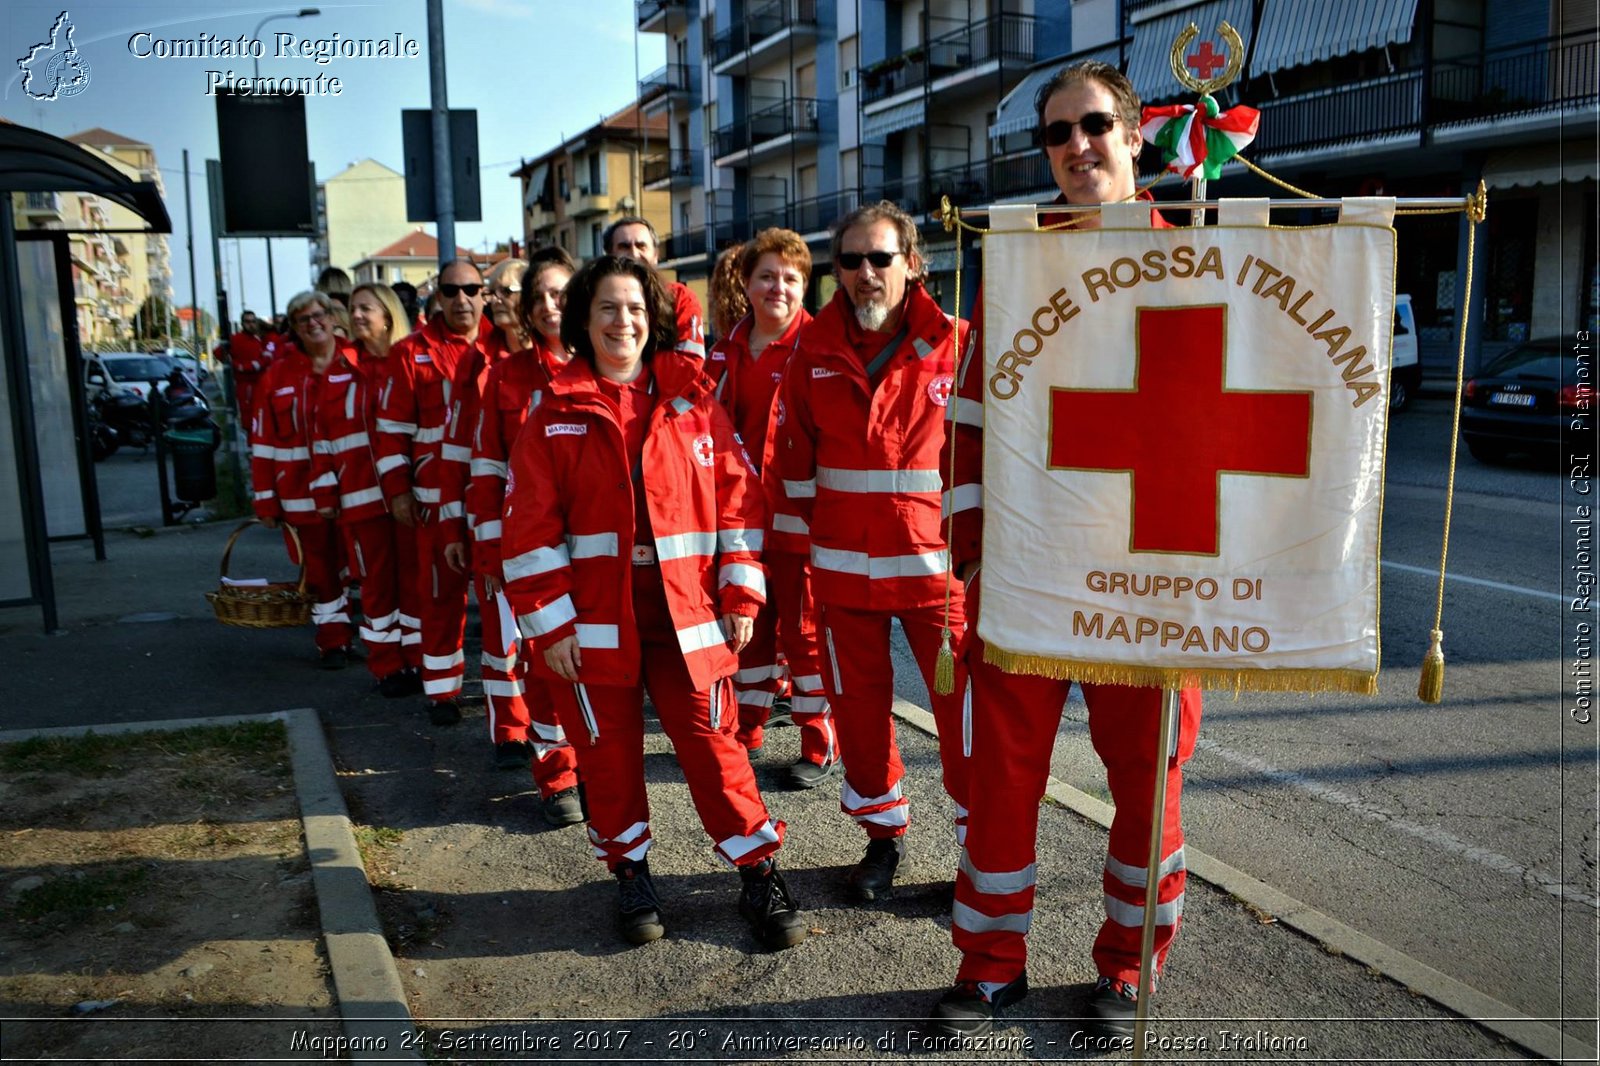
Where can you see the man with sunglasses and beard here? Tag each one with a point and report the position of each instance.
(1089, 130)
(413, 408)
(861, 441)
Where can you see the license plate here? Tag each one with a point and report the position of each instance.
(1514, 399)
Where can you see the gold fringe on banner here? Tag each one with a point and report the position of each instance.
(1356, 681)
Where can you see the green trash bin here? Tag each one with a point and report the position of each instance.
(194, 471)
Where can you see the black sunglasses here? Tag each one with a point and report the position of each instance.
(880, 260)
(1094, 124)
(449, 291)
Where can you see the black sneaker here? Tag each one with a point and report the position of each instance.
(1112, 1007)
(807, 774)
(765, 902)
(399, 684)
(513, 755)
(444, 712)
(969, 1010)
(562, 808)
(638, 906)
(781, 714)
(333, 659)
(873, 877)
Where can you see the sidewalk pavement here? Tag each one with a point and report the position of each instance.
(506, 947)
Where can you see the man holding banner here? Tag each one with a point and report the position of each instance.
(1089, 127)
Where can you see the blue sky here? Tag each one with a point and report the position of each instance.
(536, 71)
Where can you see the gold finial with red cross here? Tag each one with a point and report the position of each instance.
(1206, 59)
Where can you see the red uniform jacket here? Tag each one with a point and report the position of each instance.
(862, 463)
(344, 462)
(280, 435)
(569, 524)
(455, 453)
(247, 355)
(413, 407)
(513, 390)
(690, 320)
(749, 390)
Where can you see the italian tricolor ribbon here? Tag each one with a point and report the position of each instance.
(1194, 139)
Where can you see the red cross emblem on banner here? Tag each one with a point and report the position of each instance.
(1205, 61)
(1178, 430)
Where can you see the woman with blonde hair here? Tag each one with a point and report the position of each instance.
(345, 488)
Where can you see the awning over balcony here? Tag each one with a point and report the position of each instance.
(1150, 64)
(1016, 112)
(536, 183)
(894, 119)
(1541, 164)
(1297, 32)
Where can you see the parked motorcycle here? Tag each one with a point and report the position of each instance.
(123, 418)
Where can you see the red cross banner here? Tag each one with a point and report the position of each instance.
(1184, 441)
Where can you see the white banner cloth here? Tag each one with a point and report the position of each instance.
(1183, 453)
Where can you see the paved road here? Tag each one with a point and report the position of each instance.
(1460, 833)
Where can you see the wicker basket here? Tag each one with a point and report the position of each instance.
(275, 605)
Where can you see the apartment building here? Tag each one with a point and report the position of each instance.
(359, 211)
(571, 193)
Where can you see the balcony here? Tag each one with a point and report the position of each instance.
(951, 58)
(661, 16)
(685, 245)
(761, 27)
(585, 202)
(41, 205)
(808, 216)
(797, 116)
(674, 168)
(670, 79)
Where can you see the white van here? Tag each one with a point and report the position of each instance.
(1405, 370)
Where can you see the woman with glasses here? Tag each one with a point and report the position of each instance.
(632, 553)
(345, 486)
(280, 464)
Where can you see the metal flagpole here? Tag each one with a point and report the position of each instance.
(1170, 699)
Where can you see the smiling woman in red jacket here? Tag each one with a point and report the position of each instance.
(632, 555)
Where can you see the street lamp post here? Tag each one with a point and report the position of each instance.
(255, 35)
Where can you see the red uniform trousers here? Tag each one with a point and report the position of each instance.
(1014, 723)
(244, 396)
(608, 721)
(521, 707)
(788, 622)
(330, 610)
(382, 557)
(858, 675)
(443, 593)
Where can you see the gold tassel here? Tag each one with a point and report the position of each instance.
(944, 670)
(1430, 689)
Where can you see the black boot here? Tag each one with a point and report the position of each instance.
(970, 1007)
(1113, 1006)
(638, 906)
(766, 904)
(873, 877)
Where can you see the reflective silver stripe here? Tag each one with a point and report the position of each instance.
(740, 540)
(430, 434)
(263, 451)
(482, 467)
(586, 709)
(966, 412)
(974, 921)
(840, 480)
(1131, 915)
(549, 618)
(298, 505)
(410, 621)
(999, 884)
(714, 705)
(790, 523)
(808, 683)
(487, 531)
(393, 462)
(808, 704)
(495, 662)
(553, 733)
(265, 494)
(380, 636)
(748, 577)
(800, 490)
(893, 816)
(705, 635)
(389, 425)
(356, 499)
(443, 662)
(756, 697)
(692, 348)
(924, 349)
(598, 637)
(425, 495)
(591, 545)
(737, 847)
(685, 546)
(325, 481)
(346, 443)
(1134, 876)
(681, 405)
(282, 455)
(321, 447)
(854, 801)
(456, 453)
(966, 719)
(537, 561)
(442, 686)
(753, 674)
(452, 510)
(964, 497)
(385, 621)
(492, 687)
(879, 568)
(833, 661)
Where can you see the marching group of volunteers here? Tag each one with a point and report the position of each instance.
(723, 529)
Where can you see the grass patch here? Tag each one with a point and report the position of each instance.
(372, 837)
(79, 894)
(97, 754)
